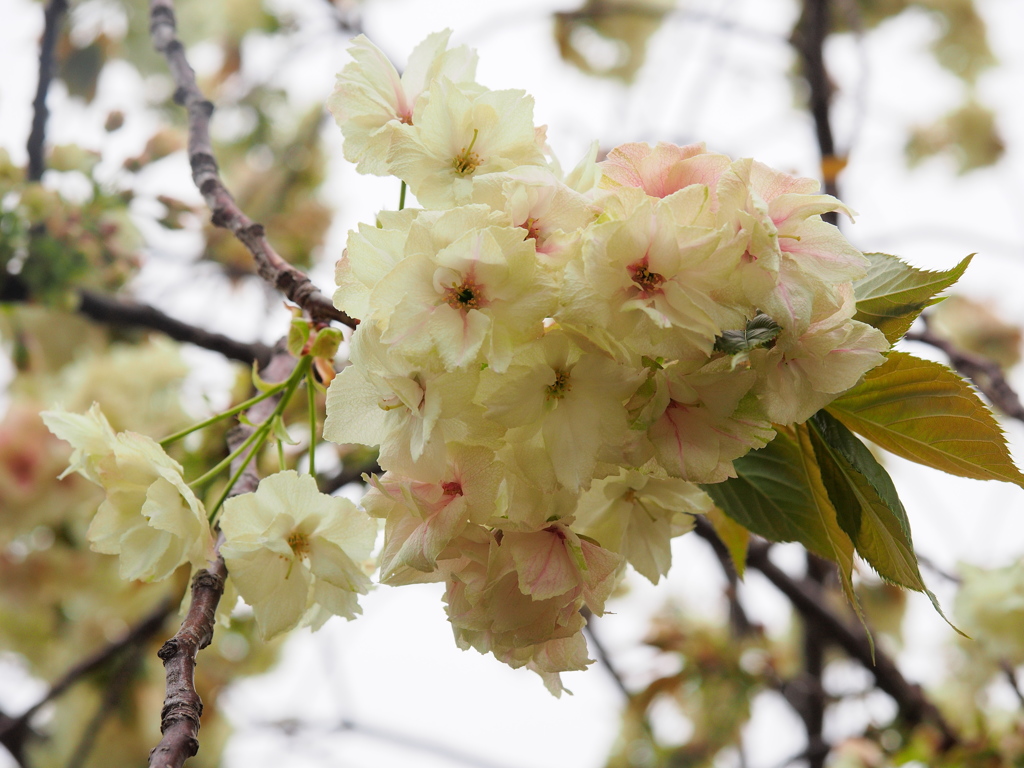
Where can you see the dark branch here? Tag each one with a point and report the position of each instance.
(13, 731)
(987, 375)
(107, 309)
(1011, 678)
(112, 696)
(292, 282)
(37, 137)
(141, 632)
(602, 654)
(810, 601)
(809, 699)
(809, 42)
(347, 474)
(180, 717)
(738, 619)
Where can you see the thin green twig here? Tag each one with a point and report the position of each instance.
(230, 412)
(311, 400)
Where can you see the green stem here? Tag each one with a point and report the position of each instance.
(230, 412)
(311, 400)
(288, 387)
(401, 198)
(226, 462)
(259, 436)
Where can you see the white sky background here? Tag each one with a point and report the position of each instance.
(397, 668)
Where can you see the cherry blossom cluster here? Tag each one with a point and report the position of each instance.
(551, 362)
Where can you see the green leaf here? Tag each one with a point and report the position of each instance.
(922, 411)
(735, 537)
(281, 432)
(778, 494)
(865, 499)
(326, 343)
(298, 335)
(259, 383)
(760, 332)
(867, 505)
(894, 293)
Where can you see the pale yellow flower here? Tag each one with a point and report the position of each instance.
(294, 554)
(370, 98)
(150, 517)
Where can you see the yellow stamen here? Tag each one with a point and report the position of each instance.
(467, 160)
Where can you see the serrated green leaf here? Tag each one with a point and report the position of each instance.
(777, 495)
(298, 335)
(867, 505)
(893, 294)
(865, 499)
(922, 411)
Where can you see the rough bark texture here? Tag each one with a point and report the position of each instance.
(292, 282)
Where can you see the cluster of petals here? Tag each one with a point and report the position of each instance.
(150, 517)
(540, 355)
(294, 554)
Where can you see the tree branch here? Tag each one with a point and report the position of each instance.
(810, 700)
(115, 691)
(108, 309)
(738, 618)
(180, 717)
(809, 41)
(292, 282)
(14, 731)
(347, 474)
(53, 17)
(810, 601)
(602, 654)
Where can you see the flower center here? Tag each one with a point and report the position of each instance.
(299, 543)
(452, 488)
(560, 388)
(532, 227)
(645, 279)
(467, 160)
(465, 295)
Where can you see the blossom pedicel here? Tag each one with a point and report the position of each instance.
(550, 363)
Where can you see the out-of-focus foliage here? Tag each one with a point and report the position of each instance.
(961, 45)
(974, 327)
(274, 174)
(968, 132)
(52, 244)
(719, 675)
(608, 38)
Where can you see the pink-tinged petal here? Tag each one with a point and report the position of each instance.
(604, 568)
(770, 183)
(659, 170)
(543, 563)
